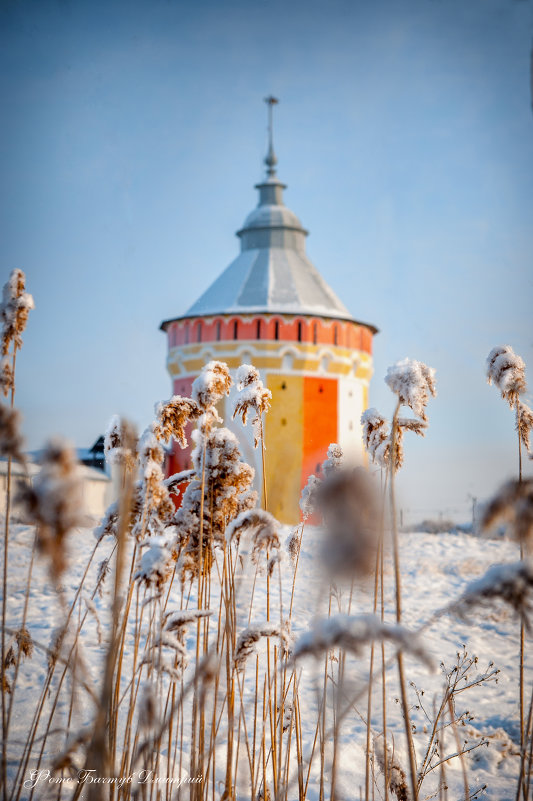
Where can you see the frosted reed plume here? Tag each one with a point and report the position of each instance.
(511, 583)
(253, 397)
(7, 378)
(353, 633)
(261, 526)
(120, 443)
(227, 491)
(524, 424)
(11, 441)
(156, 562)
(172, 418)
(512, 504)
(209, 388)
(54, 502)
(248, 639)
(14, 310)
(391, 767)
(308, 496)
(377, 437)
(413, 382)
(332, 463)
(506, 370)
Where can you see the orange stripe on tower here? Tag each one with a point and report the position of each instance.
(320, 422)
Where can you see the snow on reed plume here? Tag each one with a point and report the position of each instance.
(396, 776)
(524, 424)
(413, 382)
(120, 443)
(252, 397)
(175, 629)
(248, 639)
(158, 508)
(377, 437)
(353, 632)
(14, 310)
(511, 583)
(156, 562)
(11, 441)
(512, 504)
(54, 502)
(208, 389)
(333, 462)
(227, 491)
(506, 370)
(261, 526)
(172, 418)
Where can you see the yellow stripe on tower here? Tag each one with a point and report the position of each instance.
(284, 446)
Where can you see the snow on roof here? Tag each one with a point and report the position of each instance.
(272, 274)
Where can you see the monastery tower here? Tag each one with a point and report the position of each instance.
(271, 308)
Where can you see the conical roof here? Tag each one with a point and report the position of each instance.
(272, 273)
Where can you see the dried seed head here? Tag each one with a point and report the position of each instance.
(377, 436)
(54, 502)
(352, 633)
(396, 776)
(248, 639)
(14, 310)
(11, 442)
(120, 443)
(211, 385)
(524, 423)
(334, 460)
(349, 507)
(156, 562)
(293, 544)
(308, 496)
(263, 528)
(511, 583)
(507, 371)
(252, 397)
(6, 376)
(25, 643)
(172, 418)
(413, 382)
(512, 504)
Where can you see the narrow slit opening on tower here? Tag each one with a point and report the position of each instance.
(299, 331)
(258, 330)
(276, 329)
(235, 329)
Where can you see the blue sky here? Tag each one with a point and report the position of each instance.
(133, 133)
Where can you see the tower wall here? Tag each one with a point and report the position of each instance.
(318, 371)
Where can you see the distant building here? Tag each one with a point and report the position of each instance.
(271, 308)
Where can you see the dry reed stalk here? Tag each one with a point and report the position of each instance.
(32, 734)
(398, 596)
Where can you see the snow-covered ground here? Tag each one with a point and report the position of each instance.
(435, 570)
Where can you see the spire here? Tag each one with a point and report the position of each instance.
(270, 159)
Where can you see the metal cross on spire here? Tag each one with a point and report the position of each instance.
(271, 159)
